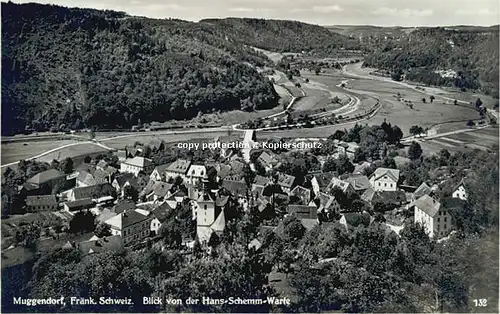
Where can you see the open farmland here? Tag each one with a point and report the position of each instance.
(73, 152)
(16, 151)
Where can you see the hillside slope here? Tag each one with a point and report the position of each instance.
(472, 54)
(283, 36)
(74, 68)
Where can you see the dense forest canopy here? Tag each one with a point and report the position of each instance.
(89, 68)
(472, 54)
(283, 36)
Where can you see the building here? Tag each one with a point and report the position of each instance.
(47, 180)
(160, 214)
(384, 179)
(99, 245)
(158, 173)
(360, 183)
(133, 226)
(460, 192)
(306, 214)
(344, 186)
(95, 191)
(320, 181)
(327, 204)
(285, 181)
(79, 205)
(422, 189)
(301, 193)
(37, 203)
(195, 174)
(354, 220)
(178, 168)
(435, 219)
(360, 169)
(159, 192)
(136, 165)
(267, 160)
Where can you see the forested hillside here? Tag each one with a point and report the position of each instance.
(74, 68)
(283, 36)
(472, 54)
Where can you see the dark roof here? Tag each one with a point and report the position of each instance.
(46, 176)
(106, 244)
(30, 186)
(285, 180)
(161, 212)
(452, 202)
(85, 202)
(223, 170)
(324, 178)
(357, 219)
(41, 200)
(98, 190)
(260, 180)
(161, 188)
(237, 188)
(236, 167)
(392, 197)
(179, 166)
(161, 168)
(126, 177)
(359, 182)
(303, 211)
(123, 205)
(221, 201)
(132, 217)
(302, 193)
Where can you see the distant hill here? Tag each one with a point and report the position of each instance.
(283, 36)
(470, 57)
(75, 68)
(361, 31)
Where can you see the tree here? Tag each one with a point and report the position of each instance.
(293, 230)
(317, 71)
(82, 221)
(414, 151)
(66, 165)
(416, 130)
(479, 102)
(248, 175)
(344, 165)
(424, 100)
(455, 102)
(102, 230)
(87, 159)
(130, 192)
(397, 75)
(396, 134)
(432, 98)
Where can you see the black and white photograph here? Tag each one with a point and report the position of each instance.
(236, 156)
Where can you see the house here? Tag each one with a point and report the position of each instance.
(306, 214)
(395, 198)
(156, 145)
(344, 186)
(121, 154)
(460, 192)
(128, 179)
(320, 181)
(360, 183)
(99, 245)
(78, 205)
(432, 216)
(367, 195)
(136, 165)
(267, 161)
(260, 182)
(360, 169)
(158, 173)
(133, 226)
(159, 192)
(327, 204)
(95, 191)
(195, 174)
(105, 175)
(178, 168)
(385, 179)
(354, 220)
(285, 181)
(236, 173)
(160, 214)
(123, 205)
(37, 203)
(350, 149)
(302, 194)
(237, 189)
(47, 180)
(423, 189)
(102, 164)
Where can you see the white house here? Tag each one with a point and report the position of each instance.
(432, 216)
(460, 192)
(136, 165)
(160, 214)
(385, 179)
(158, 173)
(195, 174)
(133, 226)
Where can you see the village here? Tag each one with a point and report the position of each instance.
(131, 197)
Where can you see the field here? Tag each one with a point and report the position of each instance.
(13, 152)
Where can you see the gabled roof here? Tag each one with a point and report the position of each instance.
(179, 166)
(100, 175)
(391, 173)
(367, 196)
(428, 205)
(237, 188)
(106, 244)
(161, 168)
(162, 211)
(356, 219)
(236, 167)
(155, 144)
(223, 170)
(260, 180)
(302, 193)
(325, 202)
(126, 219)
(303, 211)
(359, 182)
(46, 176)
(123, 178)
(161, 189)
(102, 164)
(266, 158)
(138, 162)
(197, 171)
(37, 200)
(99, 190)
(361, 167)
(423, 189)
(336, 182)
(392, 197)
(85, 202)
(221, 201)
(324, 178)
(86, 178)
(123, 205)
(285, 180)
